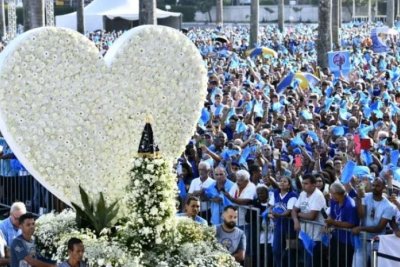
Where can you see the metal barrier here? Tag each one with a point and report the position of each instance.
(275, 243)
(395, 261)
(26, 189)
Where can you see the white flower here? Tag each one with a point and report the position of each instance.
(104, 105)
(150, 167)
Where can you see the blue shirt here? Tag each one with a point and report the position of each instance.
(217, 208)
(9, 231)
(20, 248)
(5, 164)
(345, 213)
(233, 241)
(66, 264)
(197, 219)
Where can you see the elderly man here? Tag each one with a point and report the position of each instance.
(192, 208)
(75, 254)
(215, 194)
(230, 236)
(10, 226)
(343, 214)
(242, 193)
(198, 185)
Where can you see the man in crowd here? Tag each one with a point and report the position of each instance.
(76, 250)
(374, 210)
(308, 207)
(242, 193)
(230, 236)
(343, 214)
(23, 247)
(10, 226)
(192, 208)
(198, 185)
(215, 194)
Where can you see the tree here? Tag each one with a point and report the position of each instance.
(80, 16)
(390, 13)
(281, 15)
(205, 7)
(220, 16)
(324, 43)
(2, 19)
(335, 23)
(147, 12)
(34, 15)
(254, 19)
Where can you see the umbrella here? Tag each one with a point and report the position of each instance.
(265, 51)
(221, 39)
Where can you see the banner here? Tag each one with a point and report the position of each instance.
(339, 63)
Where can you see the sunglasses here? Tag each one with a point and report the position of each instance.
(372, 213)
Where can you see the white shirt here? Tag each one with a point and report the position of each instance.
(290, 204)
(197, 185)
(249, 192)
(314, 202)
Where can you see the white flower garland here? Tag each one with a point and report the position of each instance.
(50, 226)
(150, 202)
(74, 118)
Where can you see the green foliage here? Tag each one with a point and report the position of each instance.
(269, 10)
(188, 12)
(95, 216)
(268, 2)
(205, 5)
(297, 9)
(58, 10)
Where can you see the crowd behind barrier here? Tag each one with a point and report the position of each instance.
(273, 118)
(292, 145)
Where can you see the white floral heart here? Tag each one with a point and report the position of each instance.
(73, 118)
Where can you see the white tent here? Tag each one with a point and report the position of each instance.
(96, 12)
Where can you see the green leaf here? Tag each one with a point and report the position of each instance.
(85, 199)
(95, 215)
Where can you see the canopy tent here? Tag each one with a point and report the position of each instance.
(115, 15)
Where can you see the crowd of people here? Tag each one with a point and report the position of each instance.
(314, 164)
(18, 247)
(319, 162)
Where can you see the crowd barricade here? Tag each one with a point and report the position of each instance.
(26, 189)
(341, 249)
(380, 259)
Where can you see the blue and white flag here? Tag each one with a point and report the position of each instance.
(378, 45)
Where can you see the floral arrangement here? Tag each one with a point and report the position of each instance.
(50, 226)
(99, 251)
(150, 206)
(149, 235)
(90, 110)
(196, 246)
(54, 230)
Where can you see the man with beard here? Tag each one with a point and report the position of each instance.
(230, 236)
